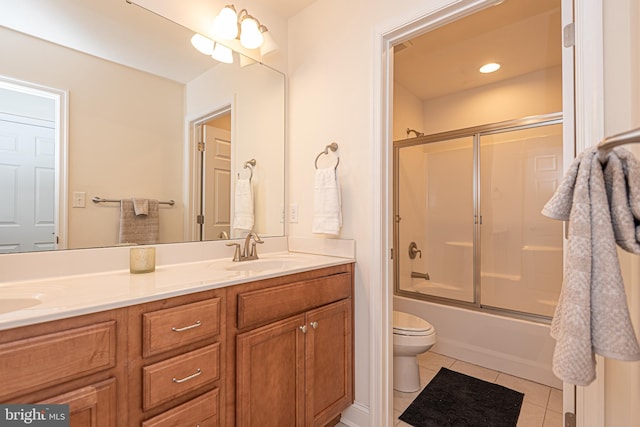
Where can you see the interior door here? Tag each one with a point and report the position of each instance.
(27, 184)
(216, 183)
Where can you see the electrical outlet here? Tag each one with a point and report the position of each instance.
(293, 212)
(79, 199)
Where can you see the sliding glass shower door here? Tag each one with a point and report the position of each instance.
(468, 225)
(521, 250)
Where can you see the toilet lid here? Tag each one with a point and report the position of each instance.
(408, 324)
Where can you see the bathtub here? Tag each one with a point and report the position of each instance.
(513, 346)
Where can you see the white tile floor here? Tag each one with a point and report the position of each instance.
(541, 407)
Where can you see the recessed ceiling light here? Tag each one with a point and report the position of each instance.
(490, 67)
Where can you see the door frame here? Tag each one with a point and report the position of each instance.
(587, 57)
(193, 181)
(61, 136)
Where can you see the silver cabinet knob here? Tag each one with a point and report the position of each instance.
(303, 328)
(314, 325)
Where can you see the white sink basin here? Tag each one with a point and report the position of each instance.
(260, 265)
(8, 305)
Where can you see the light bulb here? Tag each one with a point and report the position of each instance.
(202, 44)
(250, 35)
(489, 68)
(226, 23)
(223, 54)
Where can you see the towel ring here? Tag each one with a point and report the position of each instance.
(249, 164)
(333, 147)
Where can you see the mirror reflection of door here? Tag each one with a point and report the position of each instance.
(27, 171)
(216, 178)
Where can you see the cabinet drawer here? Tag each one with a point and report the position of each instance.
(174, 327)
(179, 375)
(267, 305)
(201, 411)
(45, 360)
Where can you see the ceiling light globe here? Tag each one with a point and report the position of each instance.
(489, 68)
(269, 46)
(250, 35)
(202, 44)
(222, 53)
(225, 25)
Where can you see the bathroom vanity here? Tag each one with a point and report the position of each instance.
(258, 343)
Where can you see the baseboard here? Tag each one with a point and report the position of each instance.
(357, 415)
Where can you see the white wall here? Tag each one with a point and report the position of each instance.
(121, 121)
(407, 112)
(257, 96)
(331, 74)
(528, 95)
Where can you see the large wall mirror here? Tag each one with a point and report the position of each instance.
(101, 98)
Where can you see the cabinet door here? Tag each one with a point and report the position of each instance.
(329, 349)
(270, 375)
(92, 406)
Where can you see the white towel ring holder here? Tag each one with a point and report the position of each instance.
(333, 147)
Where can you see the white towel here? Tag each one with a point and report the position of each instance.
(243, 216)
(140, 206)
(592, 315)
(327, 206)
(139, 229)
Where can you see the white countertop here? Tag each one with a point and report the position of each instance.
(36, 301)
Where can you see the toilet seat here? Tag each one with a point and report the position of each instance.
(410, 325)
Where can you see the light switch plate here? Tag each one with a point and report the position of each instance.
(79, 199)
(293, 212)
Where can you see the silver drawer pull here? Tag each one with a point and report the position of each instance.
(314, 325)
(186, 328)
(190, 377)
(303, 328)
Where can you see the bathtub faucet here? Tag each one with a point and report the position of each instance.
(413, 250)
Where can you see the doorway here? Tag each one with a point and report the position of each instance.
(213, 141)
(588, 119)
(32, 167)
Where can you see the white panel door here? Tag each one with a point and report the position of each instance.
(216, 183)
(27, 184)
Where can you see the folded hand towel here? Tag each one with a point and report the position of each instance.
(327, 206)
(243, 215)
(140, 206)
(139, 229)
(592, 315)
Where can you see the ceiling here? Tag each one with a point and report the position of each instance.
(286, 8)
(524, 36)
(516, 33)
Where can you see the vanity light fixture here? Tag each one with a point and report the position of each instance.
(489, 68)
(230, 25)
(208, 47)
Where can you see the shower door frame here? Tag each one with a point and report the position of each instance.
(476, 133)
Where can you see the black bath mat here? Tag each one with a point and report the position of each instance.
(453, 399)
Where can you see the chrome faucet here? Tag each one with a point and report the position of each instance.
(248, 252)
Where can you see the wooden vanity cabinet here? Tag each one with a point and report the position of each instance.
(80, 361)
(294, 349)
(176, 361)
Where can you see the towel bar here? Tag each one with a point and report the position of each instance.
(98, 199)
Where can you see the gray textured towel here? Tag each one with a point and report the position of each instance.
(139, 229)
(592, 315)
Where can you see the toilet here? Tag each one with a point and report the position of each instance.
(411, 336)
